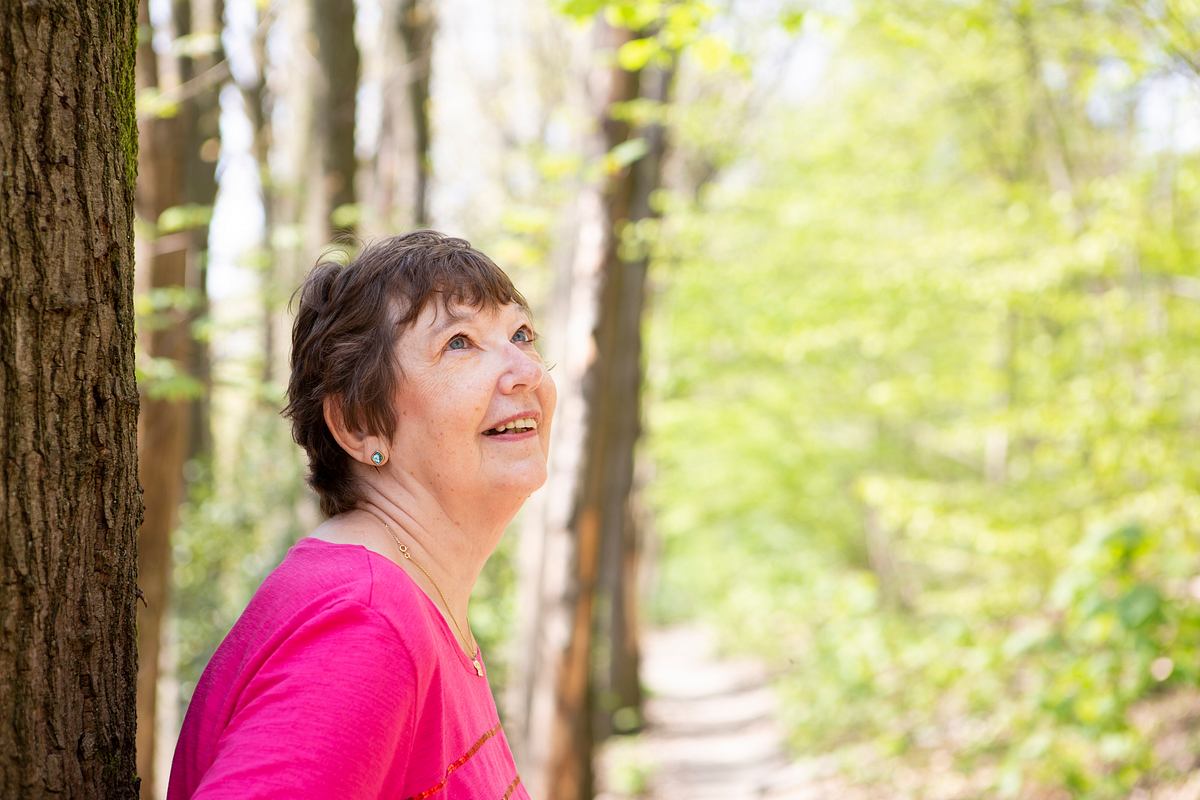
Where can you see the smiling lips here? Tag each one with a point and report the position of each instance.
(513, 427)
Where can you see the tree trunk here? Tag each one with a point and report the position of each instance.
(165, 420)
(296, 222)
(208, 73)
(624, 688)
(259, 103)
(399, 180)
(68, 400)
(334, 105)
(593, 471)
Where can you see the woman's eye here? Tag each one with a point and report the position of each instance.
(457, 343)
(523, 336)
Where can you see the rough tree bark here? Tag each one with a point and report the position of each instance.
(398, 187)
(588, 498)
(68, 400)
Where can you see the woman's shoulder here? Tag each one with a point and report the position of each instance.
(317, 580)
(337, 573)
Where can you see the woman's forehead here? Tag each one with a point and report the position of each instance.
(437, 316)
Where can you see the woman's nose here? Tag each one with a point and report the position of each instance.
(523, 371)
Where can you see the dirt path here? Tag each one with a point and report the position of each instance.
(711, 731)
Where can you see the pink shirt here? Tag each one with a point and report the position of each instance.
(341, 680)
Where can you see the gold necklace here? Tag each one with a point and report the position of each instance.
(470, 641)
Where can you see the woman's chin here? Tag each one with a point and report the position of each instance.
(522, 482)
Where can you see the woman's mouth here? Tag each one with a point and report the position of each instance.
(513, 428)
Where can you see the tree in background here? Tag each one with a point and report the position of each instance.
(236, 525)
(580, 570)
(180, 135)
(949, 299)
(398, 183)
(922, 334)
(70, 503)
(203, 73)
(334, 101)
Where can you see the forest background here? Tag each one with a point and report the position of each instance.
(878, 326)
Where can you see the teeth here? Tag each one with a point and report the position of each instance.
(526, 422)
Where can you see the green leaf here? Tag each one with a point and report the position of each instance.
(152, 103)
(580, 9)
(639, 112)
(636, 53)
(683, 22)
(347, 215)
(624, 154)
(557, 166)
(792, 20)
(527, 220)
(634, 15)
(711, 53)
(1139, 606)
(193, 45)
(164, 379)
(182, 218)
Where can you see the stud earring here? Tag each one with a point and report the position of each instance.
(377, 458)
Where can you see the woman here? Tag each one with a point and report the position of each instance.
(425, 412)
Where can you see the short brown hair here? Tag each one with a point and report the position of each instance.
(344, 336)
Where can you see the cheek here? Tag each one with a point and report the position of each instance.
(549, 392)
(548, 395)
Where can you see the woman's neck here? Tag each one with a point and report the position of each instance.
(445, 556)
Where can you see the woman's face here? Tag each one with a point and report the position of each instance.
(474, 404)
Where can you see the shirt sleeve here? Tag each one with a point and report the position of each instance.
(329, 714)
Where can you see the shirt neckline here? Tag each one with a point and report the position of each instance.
(447, 634)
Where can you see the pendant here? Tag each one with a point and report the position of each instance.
(478, 666)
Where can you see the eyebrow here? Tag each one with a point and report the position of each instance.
(455, 318)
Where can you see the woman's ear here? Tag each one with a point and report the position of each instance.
(359, 446)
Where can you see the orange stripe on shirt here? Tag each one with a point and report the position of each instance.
(458, 762)
(512, 787)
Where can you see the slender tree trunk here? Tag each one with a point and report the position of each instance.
(334, 104)
(68, 400)
(164, 423)
(297, 209)
(259, 103)
(398, 186)
(1045, 126)
(598, 428)
(623, 686)
(208, 73)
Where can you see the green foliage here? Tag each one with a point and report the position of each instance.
(637, 53)
(182, 218)
(580, 9)
(347, 215)
(244, 511)
(918, 398)
(629, 771)
(161, 308)
(152, 102)
(161, 378)
(664, 28)
(623, 155)
(196, 45)
(166, 379)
